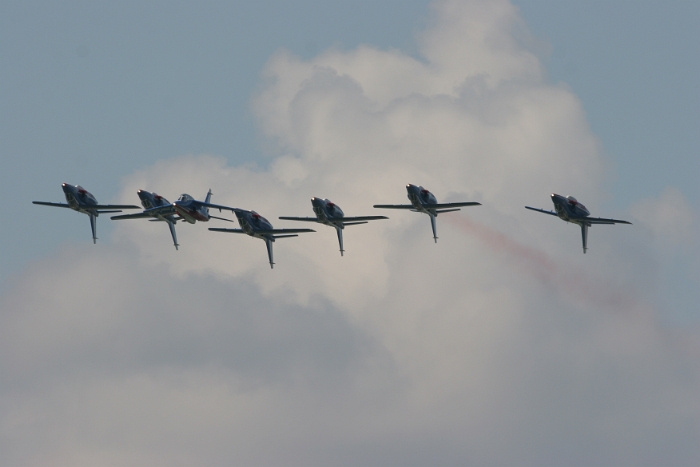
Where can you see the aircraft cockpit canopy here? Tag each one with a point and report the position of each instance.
(574, 202)
(185, 197)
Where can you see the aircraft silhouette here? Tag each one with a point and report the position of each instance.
(329, 213)
(424, 201)
(81, 200)
(153, 200)
(570, 210)
(257, 226)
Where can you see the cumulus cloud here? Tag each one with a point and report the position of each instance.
(500, 345)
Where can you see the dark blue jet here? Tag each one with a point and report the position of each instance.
(257, 226)
(570, 210)
(329, 213)
(79, 199)
(189, 209)
(424, 201)
(153, 200)
(185, 208)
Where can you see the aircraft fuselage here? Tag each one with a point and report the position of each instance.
(419, 197)
(251, 222)
(154, 200)
(327, 212)
(569, 209)
(79, 199)
(186, 209)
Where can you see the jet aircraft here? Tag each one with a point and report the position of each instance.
(570, 210)
(153, 200)
(329, 213)
(81, 200)
(189, 209)
(424, 201)
(257, 226)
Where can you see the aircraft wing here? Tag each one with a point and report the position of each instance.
(113, 206)
(450, 205)
(361, 218)
(394, 206)
(551, 213)
(215, 229)
(46, 203)
(213, 206)
(305, 219)
(140, 215)
(600, 220)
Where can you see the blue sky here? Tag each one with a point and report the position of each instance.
(501, 344)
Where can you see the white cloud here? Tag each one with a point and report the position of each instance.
(502, 344)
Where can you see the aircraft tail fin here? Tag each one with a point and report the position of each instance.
(268, 244)
(208, 198)
(432, 224)
(340, 239)
(171, 225)
(93, 226)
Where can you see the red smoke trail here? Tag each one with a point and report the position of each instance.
(575, 284)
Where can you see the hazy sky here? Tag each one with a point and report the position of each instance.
(500, 345)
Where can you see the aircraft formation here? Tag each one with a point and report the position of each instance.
(186, 208)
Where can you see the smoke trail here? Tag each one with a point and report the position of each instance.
(570, 283)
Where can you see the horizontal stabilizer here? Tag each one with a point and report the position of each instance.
(56, 205)
(140, 215)
(440, 211)
(283, 231)
(551, 213)
(238, 231)
(160, 210)
(354, 223)
(450, 205)
(394, 206)
(221, 218)
(304, 219)
(362, 218)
